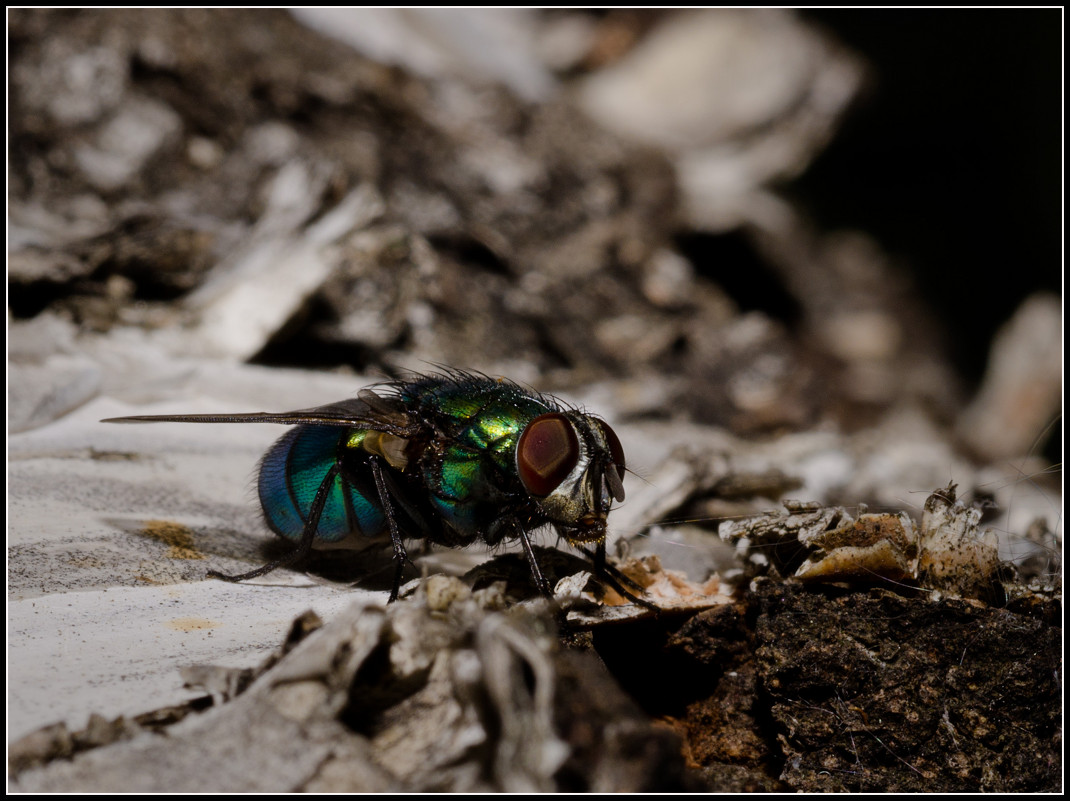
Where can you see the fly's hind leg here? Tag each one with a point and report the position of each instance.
(308, 535)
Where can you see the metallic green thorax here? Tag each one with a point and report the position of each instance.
(468, 467)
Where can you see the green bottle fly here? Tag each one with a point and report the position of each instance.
(450, 458)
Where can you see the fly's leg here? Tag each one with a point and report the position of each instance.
(308, 535)
(400, 556)
(598, 559)
(605, 571)
(614, 578)
(540, 582)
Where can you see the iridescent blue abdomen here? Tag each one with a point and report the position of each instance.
(291, 474)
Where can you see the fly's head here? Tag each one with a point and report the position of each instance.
(572, 465)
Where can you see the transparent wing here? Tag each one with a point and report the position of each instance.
(367, 410)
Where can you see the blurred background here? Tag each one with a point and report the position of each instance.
(763, 219)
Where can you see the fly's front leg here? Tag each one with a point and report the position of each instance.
(540, 582)
(308, 535)
(614, 578)
(400, 556)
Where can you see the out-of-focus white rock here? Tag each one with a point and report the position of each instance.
(1022, 388)
(742, 97)
(704, 78)
(262, 283)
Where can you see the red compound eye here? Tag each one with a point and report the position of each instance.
(546, 453)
